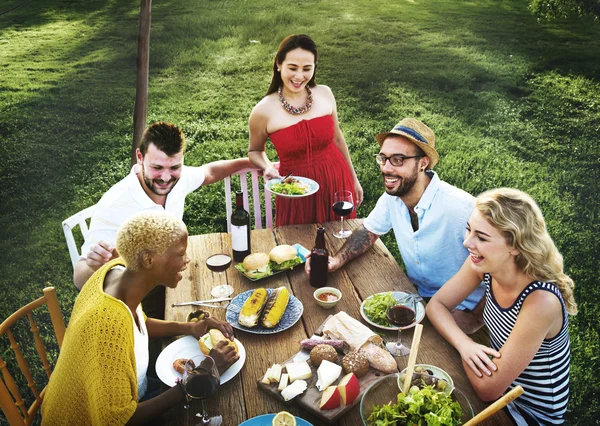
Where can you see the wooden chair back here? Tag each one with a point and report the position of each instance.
(11, 401)
(253, 174)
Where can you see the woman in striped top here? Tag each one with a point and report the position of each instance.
(528, 301)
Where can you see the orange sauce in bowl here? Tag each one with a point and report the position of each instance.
(327, 297)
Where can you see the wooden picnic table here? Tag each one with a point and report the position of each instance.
(375, 271)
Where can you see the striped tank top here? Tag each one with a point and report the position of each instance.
(546, 378)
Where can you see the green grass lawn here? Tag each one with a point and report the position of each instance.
(513, 102)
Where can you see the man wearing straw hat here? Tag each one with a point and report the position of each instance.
(428, 216)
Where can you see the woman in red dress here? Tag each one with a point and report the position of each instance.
(300, 118)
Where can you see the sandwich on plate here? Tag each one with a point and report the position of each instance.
(284, 257)
(255, 266)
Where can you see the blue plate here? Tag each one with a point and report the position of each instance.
(267, 420)
(292, 314)
(300, 249)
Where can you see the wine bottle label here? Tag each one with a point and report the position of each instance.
(239, 237)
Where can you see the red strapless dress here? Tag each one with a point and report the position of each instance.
(307, 149)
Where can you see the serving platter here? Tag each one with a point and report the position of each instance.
(302, 252)
(187, 347)
(311, 184)
(398, 295)
(292, 314)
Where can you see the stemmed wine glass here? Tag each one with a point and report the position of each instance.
(343, 205)
(219, 263)
(402, 314)
(201, 380)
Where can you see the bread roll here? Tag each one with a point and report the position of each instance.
(280, 254)
(323, 352)
(256, 262)
(210, 340)
(379, 358)
(356, 363)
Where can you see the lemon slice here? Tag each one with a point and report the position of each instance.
(283, 418)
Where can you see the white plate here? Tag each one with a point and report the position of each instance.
(397, 295)
(312, 187)
(437, 372)
(187, 347)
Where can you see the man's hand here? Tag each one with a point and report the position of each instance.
(224, 356)
(333, 264)
(99, 254)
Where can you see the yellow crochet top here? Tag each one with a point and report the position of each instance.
(95, 379)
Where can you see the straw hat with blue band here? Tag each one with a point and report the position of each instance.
(418, 133)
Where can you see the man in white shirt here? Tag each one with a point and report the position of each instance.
(428, 216)
(159, 181)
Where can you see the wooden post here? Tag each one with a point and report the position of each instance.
(142, 71)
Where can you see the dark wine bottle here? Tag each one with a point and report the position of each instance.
(319, 258)
(240, 229)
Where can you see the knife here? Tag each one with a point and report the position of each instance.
(201, 302)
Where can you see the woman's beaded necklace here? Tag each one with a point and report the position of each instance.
(296, 110)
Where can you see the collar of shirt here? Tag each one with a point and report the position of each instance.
(429, 194)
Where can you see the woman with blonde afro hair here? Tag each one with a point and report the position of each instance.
(528, 302)
(100, 375)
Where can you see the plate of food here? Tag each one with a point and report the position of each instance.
(267, 420)
(264, 310)
(170, 362)
(292, 187)
(281, 258)
(373, 309)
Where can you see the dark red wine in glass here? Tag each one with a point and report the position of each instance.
(201, 380)
(201, 384)
(219, 263)
(343, 208)
(400, 315)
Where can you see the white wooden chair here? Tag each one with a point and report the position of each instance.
(256, 204)
(11, 401)
(68, 224)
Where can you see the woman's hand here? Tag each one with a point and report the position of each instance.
(224, 356)
(200, 328)
(271, 173)
(479, 358)
(358, 191)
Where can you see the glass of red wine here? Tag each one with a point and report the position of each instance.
(403, 314)
(343, 205)
(201, 380)
(219, 263)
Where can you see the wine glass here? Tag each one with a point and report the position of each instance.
(402, 314)
(219, 263)
(201, 380)
(343, 205)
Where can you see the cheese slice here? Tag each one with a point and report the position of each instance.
(298, 371)
(283, 382)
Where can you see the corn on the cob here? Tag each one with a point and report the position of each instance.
(278, 301)
(253, 308)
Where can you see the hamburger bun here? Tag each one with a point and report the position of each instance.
(256, 262)
(280, 254)
(210, 340)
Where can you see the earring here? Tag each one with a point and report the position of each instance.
(278, 70)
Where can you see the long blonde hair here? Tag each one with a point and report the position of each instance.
(517, 216)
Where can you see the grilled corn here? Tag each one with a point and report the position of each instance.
(253, 308)
(276, 305)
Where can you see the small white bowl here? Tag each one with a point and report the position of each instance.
(332, 290)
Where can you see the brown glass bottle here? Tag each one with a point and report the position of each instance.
(319, 257)
(240, 229)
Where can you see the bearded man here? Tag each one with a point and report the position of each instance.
(159, 181)
(428, 216)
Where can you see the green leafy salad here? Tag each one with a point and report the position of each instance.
(288, 264)
(376, 307)
(421, 407)
(290, 186)
(272, 267)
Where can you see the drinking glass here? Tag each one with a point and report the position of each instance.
(201, 381)
(343, 205)
(219, 263)
(402, 314)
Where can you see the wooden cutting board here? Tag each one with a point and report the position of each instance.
(310, 400)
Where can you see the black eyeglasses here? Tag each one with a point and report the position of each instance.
(396, 160)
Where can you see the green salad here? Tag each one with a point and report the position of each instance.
(376, 307)
(289, 186)
(425, 406)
